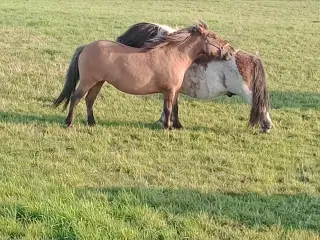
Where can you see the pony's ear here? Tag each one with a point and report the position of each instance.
(201, 27)
(203, 24)
(198, 29)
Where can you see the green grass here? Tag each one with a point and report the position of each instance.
(128, 179)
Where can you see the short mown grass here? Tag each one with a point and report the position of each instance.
(127, 178)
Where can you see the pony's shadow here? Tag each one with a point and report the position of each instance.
(250, 209)
(151, 125)
(303, 100)
(17, 118)
(279, 100)
(61, 227)
(135, 124)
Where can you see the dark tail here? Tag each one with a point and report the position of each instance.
(138, 34)
(260, 95)
(71, 81)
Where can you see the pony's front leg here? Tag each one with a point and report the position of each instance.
(175, 114)
(168, 104)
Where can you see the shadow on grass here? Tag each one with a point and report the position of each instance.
(278, 100)
(152, 125)
(11, 117)
(251, 209)
(59, 226)
(304, 100)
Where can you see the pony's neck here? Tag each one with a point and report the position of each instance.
(190, 50)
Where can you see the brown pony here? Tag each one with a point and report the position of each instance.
(159, 67)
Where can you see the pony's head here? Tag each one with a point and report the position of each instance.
(141, 34)
(213, 45)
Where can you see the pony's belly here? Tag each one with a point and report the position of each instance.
(135, 88)
(202, 84)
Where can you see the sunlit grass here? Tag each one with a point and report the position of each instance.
(127, 178)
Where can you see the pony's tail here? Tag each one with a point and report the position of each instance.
(71, 81)
(260, 95)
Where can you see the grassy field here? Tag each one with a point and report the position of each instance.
(128, 179)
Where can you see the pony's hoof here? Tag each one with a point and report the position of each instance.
(91, 124)
(91, 121)
(69, 123)
(166, 126)
(177, 125)
(265, 130)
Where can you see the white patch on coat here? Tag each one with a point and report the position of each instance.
(215, 80)
(164, 30)
(269, 119)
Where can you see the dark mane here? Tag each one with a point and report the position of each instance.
(179, 36)
(138, 34)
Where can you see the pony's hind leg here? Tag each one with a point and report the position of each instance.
(81, 90)
(168, 104)
(90, 98)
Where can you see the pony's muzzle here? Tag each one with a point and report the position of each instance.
(266, 126)
(227, 56)
(227, 53)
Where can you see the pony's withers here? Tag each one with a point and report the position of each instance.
(157, 68)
